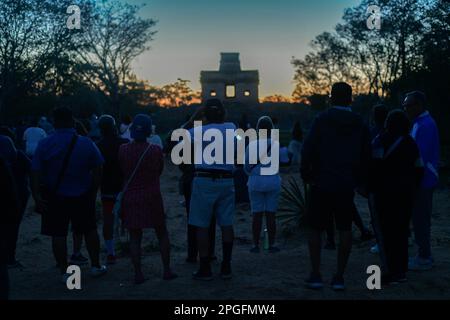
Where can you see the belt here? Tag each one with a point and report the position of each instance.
(213, 174)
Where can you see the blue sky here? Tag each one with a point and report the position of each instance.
(267, 33)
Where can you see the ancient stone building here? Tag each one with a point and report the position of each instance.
(231, 84)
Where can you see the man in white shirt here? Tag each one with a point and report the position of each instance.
(31, 137)
(213, 191)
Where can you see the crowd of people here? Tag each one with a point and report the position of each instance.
(394, 164)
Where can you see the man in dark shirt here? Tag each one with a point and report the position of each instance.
(112, 179)
(20, 168)
(335, 158)
(8, 199)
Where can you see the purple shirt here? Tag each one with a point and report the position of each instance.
(426, 135)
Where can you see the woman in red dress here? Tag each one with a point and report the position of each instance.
(142, 202)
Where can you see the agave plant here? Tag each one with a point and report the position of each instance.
(292, 203)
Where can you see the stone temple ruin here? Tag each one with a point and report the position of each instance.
(231, 84)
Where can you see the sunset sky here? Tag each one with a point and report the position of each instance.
(267, 33)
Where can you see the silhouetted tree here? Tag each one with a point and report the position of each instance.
(113, 36)
(371, 60)
(33, 40)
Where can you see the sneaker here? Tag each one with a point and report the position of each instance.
(330, 245)
(338, 284)
(15, 265)
(420, 264)
(202, 275)
(78, 260)
(98, 271)
(375, 249)
(314, 282)
(110, 259)
(274, 249)
(255, 250)
(225, 271)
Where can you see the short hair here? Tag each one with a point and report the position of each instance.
(341, 94)
(265, 123)
(418, 96)
(214, 111)
(397, 123)
(380, 113)
(63, 117)
(107, 125)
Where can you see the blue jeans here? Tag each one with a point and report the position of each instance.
(423, 207)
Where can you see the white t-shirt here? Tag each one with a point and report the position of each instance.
(198, 132)
(256, 181)
(155, 139)
(32, 136)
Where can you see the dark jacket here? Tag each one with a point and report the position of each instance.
(397, 168)
(112, 180)
(336, 152)
(9, 203)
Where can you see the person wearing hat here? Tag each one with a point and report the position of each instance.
(213, 191)
(112, 180)
(142, 164)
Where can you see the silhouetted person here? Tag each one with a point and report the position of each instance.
(9, 212)
(295, 146)
(212, 192)
(112, 179)
(264, 190)
(396, 172)
(32, 136)
(20, 168)
(426, 135)
(142, 164)
(66, 172)
(379, 115)
(335, 159)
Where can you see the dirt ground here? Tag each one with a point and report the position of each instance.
(256, 276)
